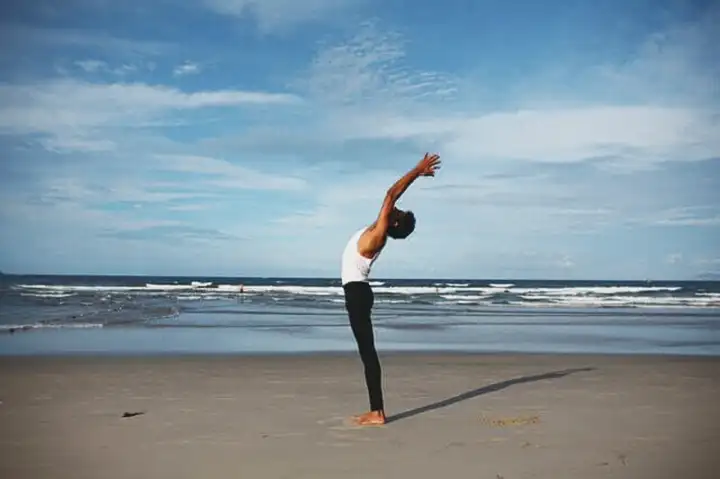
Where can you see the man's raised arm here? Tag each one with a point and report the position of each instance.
(374, 238)
(426, 167)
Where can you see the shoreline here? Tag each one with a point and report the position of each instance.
(579, 337)
(345, 354)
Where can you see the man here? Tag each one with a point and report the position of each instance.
(360, 253)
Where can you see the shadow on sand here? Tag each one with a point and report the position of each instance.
(483, 390)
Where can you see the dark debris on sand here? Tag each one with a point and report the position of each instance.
(132, 414)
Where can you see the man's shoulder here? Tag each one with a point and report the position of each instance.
(369, 228)
(371, 239)
(361, 231)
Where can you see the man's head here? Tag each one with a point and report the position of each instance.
(402, 223)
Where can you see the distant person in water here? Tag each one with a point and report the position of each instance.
(360, 253)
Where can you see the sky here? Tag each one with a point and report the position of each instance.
(578, 139)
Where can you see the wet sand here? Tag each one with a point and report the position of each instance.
(452, 415)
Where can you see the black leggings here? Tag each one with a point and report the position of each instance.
(359, 301)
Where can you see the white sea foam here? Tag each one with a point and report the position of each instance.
(635, 301)
(192, 297)
(203, 297)
(458, 293)
(13, 327)
(575, 290)
(149, 287)
(53, 287)
(304, 290)
(168, 287)
(463, 297)
(502, 285)
(229, 288)
(49, 294)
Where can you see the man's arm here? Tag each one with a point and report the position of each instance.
(374, 238)
(392, 196)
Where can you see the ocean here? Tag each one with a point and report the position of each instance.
(170, 315)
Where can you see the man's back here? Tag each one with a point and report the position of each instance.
(355, 267)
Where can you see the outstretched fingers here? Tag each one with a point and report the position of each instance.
(430, 164)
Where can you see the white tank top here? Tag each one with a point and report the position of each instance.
(355, 267)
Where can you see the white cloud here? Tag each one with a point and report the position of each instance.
(138, 225)
(187, 68)
(91, 66)
(88, 191)
(58, 37)
(80, 220)
(566, 261)
(369, 92)
(368, 71)
(363, 93)
(190, 207)
(69, 110)
(224, 174)
(84, 191)
(674, 258)
(708, 262)
(78, 142)
(176, 232)
(687, 216)
(124, 69)
(710, 221)
(278, 15)
(639, 133)
(676, 65)
(364, 90)
(106, 204)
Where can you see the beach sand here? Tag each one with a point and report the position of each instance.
(456, 416)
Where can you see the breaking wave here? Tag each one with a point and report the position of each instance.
(449, 293)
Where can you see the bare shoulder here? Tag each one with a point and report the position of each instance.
(371, 241)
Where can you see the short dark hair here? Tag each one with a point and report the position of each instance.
(405, 225)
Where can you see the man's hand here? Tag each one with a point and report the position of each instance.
(428, 165)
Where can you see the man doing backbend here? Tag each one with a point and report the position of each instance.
(358, 257)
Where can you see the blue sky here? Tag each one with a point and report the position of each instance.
(579, 139)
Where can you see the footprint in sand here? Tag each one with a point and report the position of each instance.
(334, 444)
(282, 434)
(510, 421)
(332, 420)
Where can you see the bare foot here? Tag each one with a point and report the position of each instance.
(372, 418)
